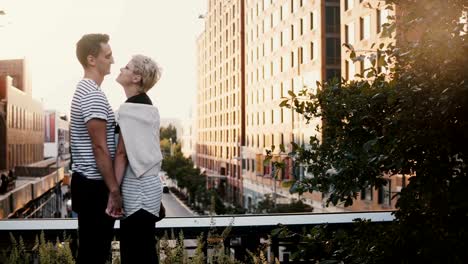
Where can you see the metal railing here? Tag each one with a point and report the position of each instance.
(246, 231)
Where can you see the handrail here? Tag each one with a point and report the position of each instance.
(212, 221)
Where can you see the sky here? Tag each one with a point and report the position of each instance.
(45, 33)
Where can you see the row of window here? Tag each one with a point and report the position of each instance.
(22, 119)
(226, 152)
(284, 63)
(288, 33)
(223, 73)
(220, 135)
(349, 4)
(384, 194)
(20, 154)
(216, 120)
(227, 102)
(352, 68)
(210, 164)
(217, 12)
(266, 141)
(284, 10)
(365, 26)
(226, 44)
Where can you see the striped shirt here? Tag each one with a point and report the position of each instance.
(89, 102)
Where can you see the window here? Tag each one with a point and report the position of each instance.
(333, 73)
(333, 51)
(292, 59)
(364, 25)
(366, 194)
(292, 32)
(349, 70)
(381, 19)
(384, 194)
(332, 19)
(349, 4)
(349, 33)
(300, 55)
(311, 51)
(301, 27)
(311, 20)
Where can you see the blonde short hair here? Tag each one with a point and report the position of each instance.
(148, 69)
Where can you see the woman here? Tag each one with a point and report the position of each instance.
(138, 162)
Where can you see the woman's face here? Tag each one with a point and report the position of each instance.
(127, 75)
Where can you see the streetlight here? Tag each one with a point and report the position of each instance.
(171, 150)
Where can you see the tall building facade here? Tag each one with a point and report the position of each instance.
(220, 98)
(251, 56)
(290, 44)
(362, 24)
(361, 27)
(22, 125)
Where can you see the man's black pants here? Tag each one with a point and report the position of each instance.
(95, 227)
(137, 238)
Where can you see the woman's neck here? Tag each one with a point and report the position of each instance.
(131, 91)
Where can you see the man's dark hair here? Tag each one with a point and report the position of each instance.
(90, 44)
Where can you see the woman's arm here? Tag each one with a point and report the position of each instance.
(121, 161)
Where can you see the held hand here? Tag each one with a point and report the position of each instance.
(114, 205)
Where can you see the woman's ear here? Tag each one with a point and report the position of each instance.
(137, 79)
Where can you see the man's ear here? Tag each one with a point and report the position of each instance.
(91, 60)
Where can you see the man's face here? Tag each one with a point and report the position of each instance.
(104, 59)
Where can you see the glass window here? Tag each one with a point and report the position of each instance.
(381, 19)
(349, 4)
(349, 33)
(332, 19)
(333, 50)
(364, 23)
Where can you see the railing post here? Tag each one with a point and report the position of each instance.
(274, 247)
(249, 242)
(205, 244)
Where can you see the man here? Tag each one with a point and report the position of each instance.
(92, 125)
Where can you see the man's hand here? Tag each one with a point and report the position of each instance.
(114, 205)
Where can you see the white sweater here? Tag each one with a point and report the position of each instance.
(141, 184)
(139, 126)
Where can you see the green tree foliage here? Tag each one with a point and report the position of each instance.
(169, 132)
(267, 205)
(188, 177)
(412, 120)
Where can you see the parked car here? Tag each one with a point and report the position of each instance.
(165, 187)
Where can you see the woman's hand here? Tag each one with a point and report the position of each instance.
(114, 205)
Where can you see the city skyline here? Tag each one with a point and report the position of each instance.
(45, 35)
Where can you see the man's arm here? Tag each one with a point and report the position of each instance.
(97, 133)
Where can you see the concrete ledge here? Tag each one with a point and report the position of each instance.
(207, 221)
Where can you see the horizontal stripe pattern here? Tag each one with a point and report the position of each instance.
(89, 102)
(143, 192)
